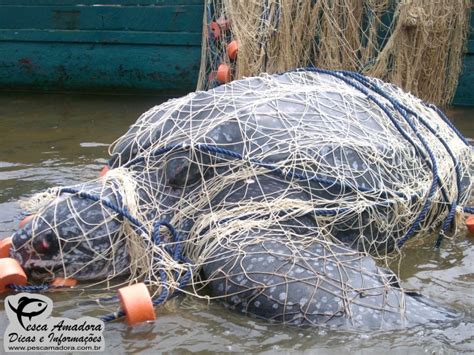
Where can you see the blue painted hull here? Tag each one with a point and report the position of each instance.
(140, 46)
(137, 46)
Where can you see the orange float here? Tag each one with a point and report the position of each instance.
(224, 74)
(64, 282)
(104, 171)
(470, 224)
(232, 49)
(5, 246)
(25, 221)
(11, 273)
(215, 29)
(136, 303)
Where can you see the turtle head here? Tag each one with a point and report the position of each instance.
(73, 236)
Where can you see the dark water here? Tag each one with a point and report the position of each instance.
(46, 140)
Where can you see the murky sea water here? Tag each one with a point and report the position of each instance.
(46, 140)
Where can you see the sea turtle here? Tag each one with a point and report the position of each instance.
(274, 191)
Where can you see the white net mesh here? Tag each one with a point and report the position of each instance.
(269, 181)
(417, 44)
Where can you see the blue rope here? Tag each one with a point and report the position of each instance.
(36, 288)
(457, 168)
(156, 239)
(353, 79)
(449, 123)
(121, 211)
(112, 316)
(468, 209)
(434, 166)
(157, 301)
(362, 84)
(273, 168)
(452, 205)
(32, 288)
(404, 111)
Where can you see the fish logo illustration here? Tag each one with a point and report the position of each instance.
(28, 307)
(32, 327)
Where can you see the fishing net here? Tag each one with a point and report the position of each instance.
(265, 182)
(417, 45)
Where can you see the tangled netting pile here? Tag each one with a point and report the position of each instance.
(309, 157)
(417, 45)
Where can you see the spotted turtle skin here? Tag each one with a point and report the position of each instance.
(287, 273)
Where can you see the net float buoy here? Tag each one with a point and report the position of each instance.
(5, 246)
(232, 49)
(25, 221)
(11, 273)
(104, 171)
(470, 224)
(64, 282)
(224, 74)
(215, 30)
(136, 303)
